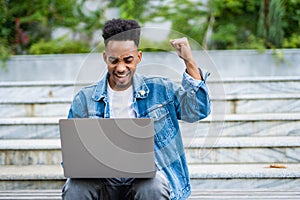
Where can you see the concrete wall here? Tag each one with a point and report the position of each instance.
(89, 67)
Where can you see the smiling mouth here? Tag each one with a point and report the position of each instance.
(123, 75)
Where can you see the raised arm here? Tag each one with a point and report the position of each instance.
(184, 51)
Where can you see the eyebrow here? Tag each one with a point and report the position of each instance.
(111, 58)
(128, 57)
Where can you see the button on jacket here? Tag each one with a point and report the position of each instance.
(166, 103)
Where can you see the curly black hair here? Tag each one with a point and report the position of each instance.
(121, 30)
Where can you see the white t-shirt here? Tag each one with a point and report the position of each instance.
(121, 103)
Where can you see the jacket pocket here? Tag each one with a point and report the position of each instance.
(163, 126)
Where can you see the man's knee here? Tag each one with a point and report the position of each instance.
(155, 188)
(79, 189)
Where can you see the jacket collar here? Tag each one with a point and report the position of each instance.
(140, 89)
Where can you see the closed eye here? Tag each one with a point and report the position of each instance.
(113, 60)
(128, 60)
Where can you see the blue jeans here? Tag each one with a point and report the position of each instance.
(113, 189)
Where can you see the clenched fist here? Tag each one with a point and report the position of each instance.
(184, 51)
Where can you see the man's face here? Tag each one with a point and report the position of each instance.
(121, 58)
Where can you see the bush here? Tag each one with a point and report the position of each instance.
(292, 42)
(59, 46)
(4, 53)
(148, 45)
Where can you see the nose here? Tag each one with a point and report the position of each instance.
(121, 67)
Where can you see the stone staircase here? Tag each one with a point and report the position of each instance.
(259, 144)
(251, 141)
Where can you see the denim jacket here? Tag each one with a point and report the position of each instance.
(166, 103)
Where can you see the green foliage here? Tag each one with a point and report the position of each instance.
(4, 52)
(261, 27)
(29, 21)
(26, 26)
(6, 33)
(130, 9)
(186, 16)
(275, 33)
(147, 45)
(292, 42)
(90, 22)
(231, 24)
(234, 23)
(252, 42)
(59, 46)
(26, 23)
(291, 18)
(271, 23)
(225, 36)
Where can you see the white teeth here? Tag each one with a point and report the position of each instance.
(121, 76)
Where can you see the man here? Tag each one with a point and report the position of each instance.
(122, 93)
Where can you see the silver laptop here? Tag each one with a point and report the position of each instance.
(106, 148)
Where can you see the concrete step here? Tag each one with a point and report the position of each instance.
(228, 86)
(280, 124)
(30, 152)
(245, 125)
(39, 89)
(236, 63)
(198, 150)
(21, 128)
(46, 107)
(229, 104)
(259, 194)
(255, 85)
(242, 150)
(244, 176)
(230, 176)
(31, 177)
(256, 103)
(30, 194)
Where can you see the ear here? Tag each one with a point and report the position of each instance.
(104, 57)
(140, 55)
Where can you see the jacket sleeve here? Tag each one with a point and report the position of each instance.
(78, 107)
(192, 99)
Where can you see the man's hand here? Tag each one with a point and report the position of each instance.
(184, 51)
(182, 48)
